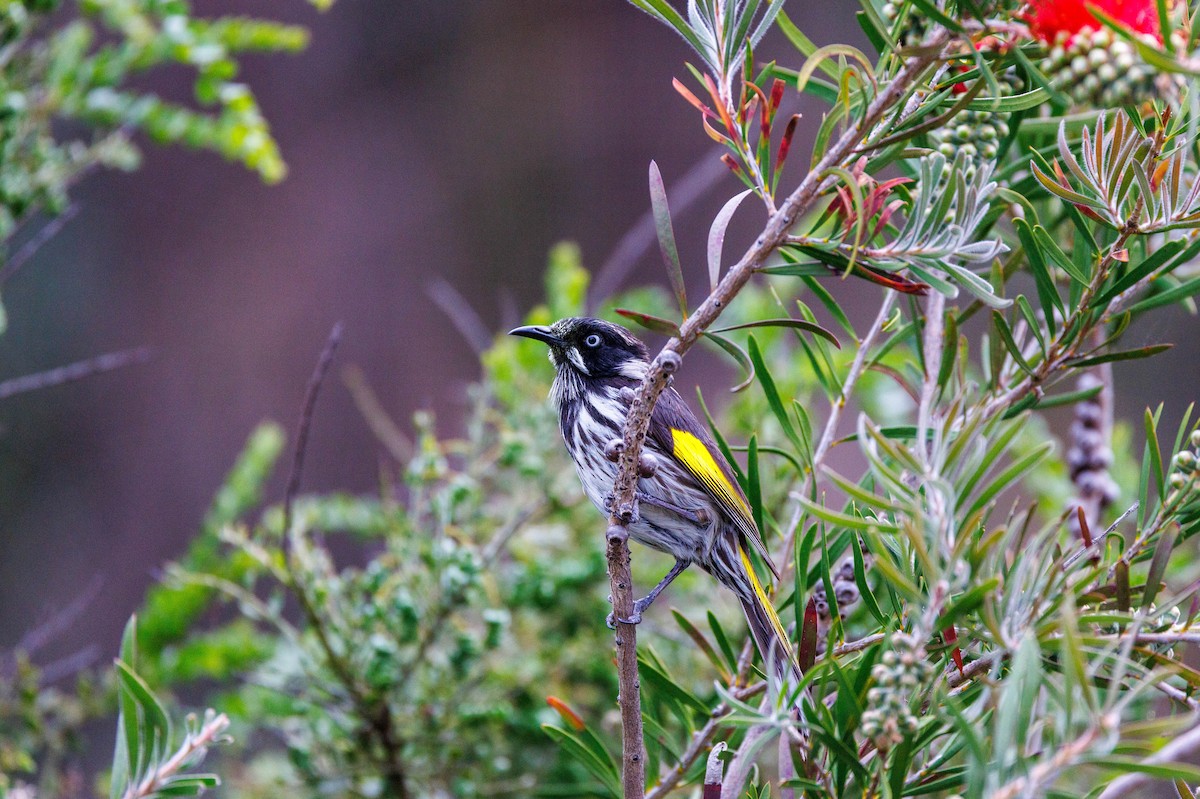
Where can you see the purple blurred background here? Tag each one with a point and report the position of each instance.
(450, 142)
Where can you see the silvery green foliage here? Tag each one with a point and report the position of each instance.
(720, 31)
(943, 233)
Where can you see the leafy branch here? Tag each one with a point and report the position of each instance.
(668, 360)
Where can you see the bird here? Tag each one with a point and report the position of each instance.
(690, 505)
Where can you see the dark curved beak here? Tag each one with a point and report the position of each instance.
(539, 332)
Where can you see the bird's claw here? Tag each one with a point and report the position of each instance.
(612, 619)
(633, 515)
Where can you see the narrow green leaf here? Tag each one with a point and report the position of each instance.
(703, 643)
(1009, 342)
(754, 494)
(864, 587)
(1035, 325)
(1050, 248)
(967, 603)
(652, 674)
(798, 324)
(1158, 564)
(655, 324)
(1068, 397)
(1047, 293)
(716, 237)
(1162, 771)
(738, 355)
(666, 237)
(803, 43)
(1181, 292)
(605, 772)
(722, 641)
(831, 305)
(1122, 355)
(772, 394)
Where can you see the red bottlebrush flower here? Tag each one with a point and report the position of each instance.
(1050, 18)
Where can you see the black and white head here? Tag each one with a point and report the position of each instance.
(584, 350)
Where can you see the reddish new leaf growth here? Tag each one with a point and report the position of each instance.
(891, 280)
(1159, 171)
(1049, 18)
(568, 715)
(808, 636)
(1084, 531)
(1061, 178)
(776, 94)
(726, 120)
(765, 112)
(952, 638)
(785, 143)
(713, 133)
(692, 99)
(733, 165)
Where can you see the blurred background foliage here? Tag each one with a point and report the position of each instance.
(438, 633)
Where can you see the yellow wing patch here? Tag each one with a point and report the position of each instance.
(697, 459)
(692, 453)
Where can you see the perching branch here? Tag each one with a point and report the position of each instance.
(668, 360)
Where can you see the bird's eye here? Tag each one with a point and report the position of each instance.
(592, 340)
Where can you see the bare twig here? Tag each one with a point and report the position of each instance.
(74, 371)
(461, 313)
(1181, 750)
(836, 407)
(1044, 772)
(955, 678)
(36, 242)
(857, 645)
(381, 424)
(204, 738)
(375, 714)
(305, 423)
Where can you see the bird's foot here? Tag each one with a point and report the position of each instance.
(612, 619)
(628, 514)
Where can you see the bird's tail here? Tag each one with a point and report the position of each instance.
(767, 629)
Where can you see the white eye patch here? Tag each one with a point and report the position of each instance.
(577, 360)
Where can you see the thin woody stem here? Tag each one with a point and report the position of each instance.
(207, 736)
(776, 231)
(1064, 348)
(836, 408)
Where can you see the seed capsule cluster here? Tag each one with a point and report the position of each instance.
(902, 670)
(1090, 457)
(1098, 68)
(915, 25)
(846, 597)
(976, 134)
(1185, 471)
